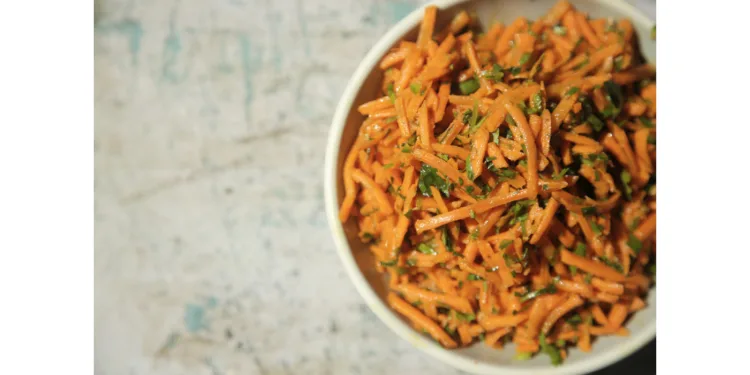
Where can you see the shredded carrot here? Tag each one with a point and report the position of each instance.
(465, 179)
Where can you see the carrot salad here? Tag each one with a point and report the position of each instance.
(506, 180)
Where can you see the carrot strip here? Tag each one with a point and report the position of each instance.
(571, 303)
(587, 265)
(419, 319)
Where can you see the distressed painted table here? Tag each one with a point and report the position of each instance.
(212, 251)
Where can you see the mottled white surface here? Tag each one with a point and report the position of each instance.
(212, 251)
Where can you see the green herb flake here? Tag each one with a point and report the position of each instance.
(646, 122)
(611, 264)
(515, 70)
(368, 237)
(615, 97)
(415, 87)
(495, 74)
(589, 210)
(549, 289)
(560, 30)
(506, 174)
(496, 136)
(428, 176)
(626, 178)
(465, 317)
(550, 350)
(572, 91)
(509, 120)
(473, 277)
(389, 165)
(559, 176)
(587, 278)
(596, 227)
(469, 169)
(580, 250)
(537, 103)
(426, 249)
(595, 122)
(524, 58)
(634, 243)
(575, 320)
(651, 139)
(469, 86)
(391, 93)
(472, 214)
(411, 262)
(505, 243)
(389, 263)
(401, 270)
(474, 234)
(523, 356)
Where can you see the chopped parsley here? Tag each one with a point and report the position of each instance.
(634, 243)
(614, 95)
(549, 289)
(411, 262)
(550, 350)
(389, 165)
(626, 178)
(524, 58)
(509, 119)
(559, 176)
(469, 86)
(523, 356)
(469, 169)
(415, 87)
(368, 237)
(505, 243)
(391, 93)
(496, 136)
(596, 227)
(428, 176)
(572, 91)
(465, 317)
(646, 122)
(389, 263)
(424, 248)
(611, 264)
(560, 30)
(595, 123)
(580, 250)
(472, 214)
(506, 174)
(589, 210)
(473, 277)
(495, 75)
(575, 320)
(536, 103)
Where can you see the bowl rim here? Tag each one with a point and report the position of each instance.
(381, 310)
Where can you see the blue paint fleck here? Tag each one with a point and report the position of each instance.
(195, 318)
(211, 302)
(275, 20)
(172, 48)
(303, 27)
(132, 29)
(250, 63)
(400, 9)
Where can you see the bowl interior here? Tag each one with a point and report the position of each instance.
(372, 285)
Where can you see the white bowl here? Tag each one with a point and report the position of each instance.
(358, 261)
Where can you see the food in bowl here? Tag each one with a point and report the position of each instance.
(505, 180)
